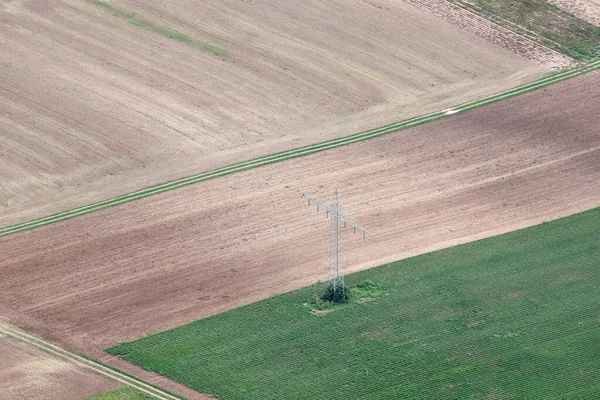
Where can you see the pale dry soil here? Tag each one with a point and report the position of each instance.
(163, 261)
(92, 106)
(29, 373)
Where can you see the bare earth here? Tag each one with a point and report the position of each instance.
(92, 106)
(588, 10)
(163, 261)
(29, 373)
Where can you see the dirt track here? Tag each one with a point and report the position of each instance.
(163, 261)
(92, 107)
(29, 373)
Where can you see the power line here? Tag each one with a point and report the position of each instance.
(334, 210)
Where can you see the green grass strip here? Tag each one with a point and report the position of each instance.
(124, 393)
(133, 377)
(134, 20)
(109, 371)
(299, 152)
(516, 316)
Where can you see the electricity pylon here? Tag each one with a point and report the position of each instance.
(334, 210)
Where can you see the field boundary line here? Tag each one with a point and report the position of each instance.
(513, 27)
(481, 16)
(111, 373)
(301, 151)
(504, 28)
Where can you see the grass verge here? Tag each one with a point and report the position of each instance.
(133, 377)
(134, 20)
(543, 22)
(124, 393)
(88, 362)
(513, 316)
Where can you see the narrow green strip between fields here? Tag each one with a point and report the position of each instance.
(124, 393)
(516, 316)
(102, 368)
(299, 152)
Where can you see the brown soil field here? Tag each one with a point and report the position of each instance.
(156, 263)
(588, 10)
(29, 373)
(98, 101)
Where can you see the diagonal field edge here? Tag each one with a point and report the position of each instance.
(298, 152)
(108, 372)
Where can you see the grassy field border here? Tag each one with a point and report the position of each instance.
(95, 365)
(118, 394)
(299, 152)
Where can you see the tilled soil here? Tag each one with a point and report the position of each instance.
(173, 258)
(92, 106)
(31, 374)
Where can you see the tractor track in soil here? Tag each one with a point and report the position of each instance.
(299, 152)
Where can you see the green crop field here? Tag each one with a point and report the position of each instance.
(543, 22)
(124, 393)
(515, 316)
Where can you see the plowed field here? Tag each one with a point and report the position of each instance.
(179, 256)
(99, 98)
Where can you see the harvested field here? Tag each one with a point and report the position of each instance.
(28, 373)
(588, 10)
(100, 98)
(163, 261)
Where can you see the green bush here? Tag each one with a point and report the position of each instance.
(336, 294)
(320, 303)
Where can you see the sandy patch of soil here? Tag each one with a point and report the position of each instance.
(163, 261)
(28, 373)
(588, 10)
(92, 106)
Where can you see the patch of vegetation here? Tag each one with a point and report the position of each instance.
(366, 290)
(361, 292)
(148, 25)
(133, 377)
(124, 393)
(514, 316)
(336, 294)
(543, 22)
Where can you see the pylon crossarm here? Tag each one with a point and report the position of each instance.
(329, 210)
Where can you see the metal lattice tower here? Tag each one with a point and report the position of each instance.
(336, 272)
